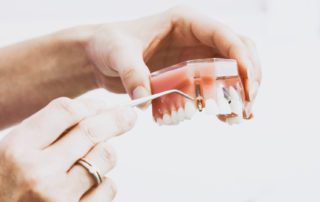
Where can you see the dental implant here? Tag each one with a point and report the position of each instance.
(199, 95)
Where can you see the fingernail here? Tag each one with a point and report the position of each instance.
(139, 92)
(248, 111)
(253, 89)
(250, 79)
(112, 191)
(249, 66)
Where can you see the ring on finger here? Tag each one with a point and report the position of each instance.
(92, 169)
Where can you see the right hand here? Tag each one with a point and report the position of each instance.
(39, 157)
(124, 53)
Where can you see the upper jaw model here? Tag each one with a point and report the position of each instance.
(214, 84)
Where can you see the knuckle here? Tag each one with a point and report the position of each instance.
(128, 73)
(62, 102)
(88, 131)
(72, 108)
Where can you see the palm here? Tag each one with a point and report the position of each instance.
(178, 47)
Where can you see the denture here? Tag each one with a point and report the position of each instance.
(214, 84)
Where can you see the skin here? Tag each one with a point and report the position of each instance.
(76, 60)
(45, 169)
(39, 158)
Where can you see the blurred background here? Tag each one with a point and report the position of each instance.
(274, 157)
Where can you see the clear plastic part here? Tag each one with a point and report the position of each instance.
(206, 80)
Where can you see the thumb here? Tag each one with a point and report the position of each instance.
(133, 71)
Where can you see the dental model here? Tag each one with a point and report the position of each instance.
(211, 85)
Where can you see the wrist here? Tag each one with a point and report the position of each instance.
(72, 43)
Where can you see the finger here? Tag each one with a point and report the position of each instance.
(105, 192)
(97, 105)
(112, 84)
(135, 75)
(90, 132)
(45, 126)
(230, 46)
(217, 35)
(253, 54)
(102, 157)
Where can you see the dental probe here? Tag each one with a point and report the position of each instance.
(143, 100)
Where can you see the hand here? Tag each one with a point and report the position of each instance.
(39, 157)
(126, 52)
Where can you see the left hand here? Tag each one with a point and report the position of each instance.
(124, 53)
(40, 157)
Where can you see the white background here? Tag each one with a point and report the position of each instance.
(275, 157)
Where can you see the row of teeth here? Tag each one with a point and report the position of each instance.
(228, 101)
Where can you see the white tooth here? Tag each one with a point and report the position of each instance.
(166, 119)
(181, 114)
(222, 102)
(236, 103)
(189, 110)
(211, 107)
(159, 121)
(236, 107)
(174, 117)
(234, 120)
(233, 93)
(224, 107)
(220, 93)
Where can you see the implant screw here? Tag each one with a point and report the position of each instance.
(199, 104)
(199, 98)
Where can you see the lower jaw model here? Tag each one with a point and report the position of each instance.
(214, 84)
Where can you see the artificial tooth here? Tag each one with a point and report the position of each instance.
(220, 93)
(211, 107)
(174, 117)
(180, 114)
(233, 93)
(222, 102)
(159, 121)
(166, 119)
(234, 120)
(190, 110)
(236, 103)
(224, 107)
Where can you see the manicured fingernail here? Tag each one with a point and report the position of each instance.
(139, 92)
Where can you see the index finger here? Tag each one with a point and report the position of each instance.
(90, 132)
(47, 125)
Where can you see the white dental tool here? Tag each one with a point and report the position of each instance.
(143, 100)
